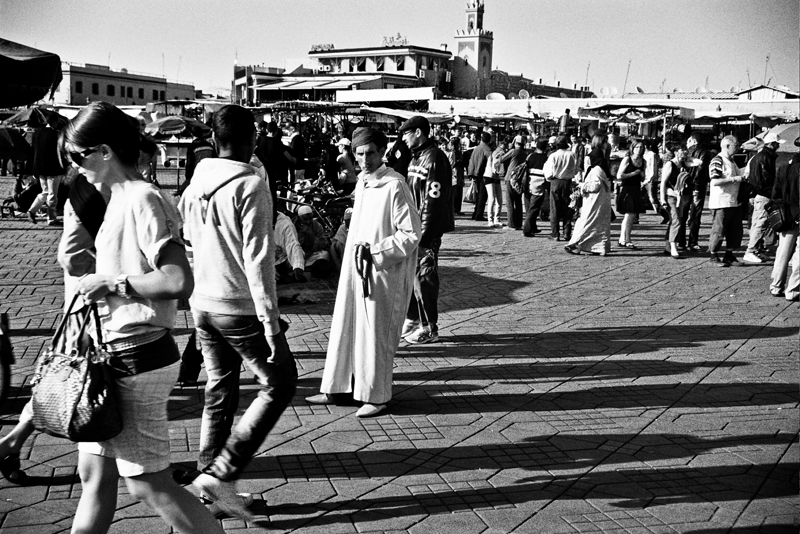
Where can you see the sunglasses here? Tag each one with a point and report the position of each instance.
(78, 157)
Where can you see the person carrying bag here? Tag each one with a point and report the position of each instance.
(73, 391)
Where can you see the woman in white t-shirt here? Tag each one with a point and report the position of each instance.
(141, 270)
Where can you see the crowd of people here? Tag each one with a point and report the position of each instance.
(124, 246)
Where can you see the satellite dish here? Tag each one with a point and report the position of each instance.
(512, 96)
(613, 91)
(639, 89)
(457, 119)
(604, 91)
(700, 89)
(677, 90)
(495, 96)
(525, 95)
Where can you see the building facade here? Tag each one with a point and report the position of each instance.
(84, 83)
(472, 66)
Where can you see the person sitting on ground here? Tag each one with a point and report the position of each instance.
(315, 243)
(290, 261)
(340, 239)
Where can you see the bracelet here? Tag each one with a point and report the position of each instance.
(122, 287)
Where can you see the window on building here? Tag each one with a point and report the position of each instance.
(361, 64)
(162, 94)
(95, 89)
(129, 93)
(141, 92)
(379, 63)
(401, 63)
(79, 87)
(155, 94)
(122, 91)
(111, 90)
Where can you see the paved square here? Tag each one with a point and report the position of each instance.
(626, 394)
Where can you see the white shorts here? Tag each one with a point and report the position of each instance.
(143, 445)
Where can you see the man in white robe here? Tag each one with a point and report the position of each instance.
(370, 309)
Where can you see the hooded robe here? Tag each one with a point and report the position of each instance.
(365, 332)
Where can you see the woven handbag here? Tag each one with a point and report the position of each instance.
(73, 393)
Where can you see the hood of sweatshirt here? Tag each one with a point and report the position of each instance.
(213, 173)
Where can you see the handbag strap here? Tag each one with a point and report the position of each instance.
(63, 323)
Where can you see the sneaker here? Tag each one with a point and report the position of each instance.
(750, 257)
(423, 335)
(717, 261)
(223, 494)
(695, 248)
(490, 224)
(729, 258)
(409, 327)
(498, 224)
(217, 511)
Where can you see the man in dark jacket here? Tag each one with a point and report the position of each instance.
(429, 177)
(786, 193)
(475, 170)
(762, 178)
(699, 183)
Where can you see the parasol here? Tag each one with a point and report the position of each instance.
(37, 117)
(788, 132)
(28, 74)
(13, 144)
(176, 125)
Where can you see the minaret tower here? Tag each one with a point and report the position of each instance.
(472, 65)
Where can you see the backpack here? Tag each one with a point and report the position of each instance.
(518, 180)
(680, 182)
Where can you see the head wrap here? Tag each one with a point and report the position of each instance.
(304, 210)
(596, 157)
(365, 136)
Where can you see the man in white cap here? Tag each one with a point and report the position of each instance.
(375, 285)
(762, 179)
(315, 244)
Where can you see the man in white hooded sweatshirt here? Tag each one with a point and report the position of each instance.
(227, 211)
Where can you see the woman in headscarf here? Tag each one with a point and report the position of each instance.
(593, 229)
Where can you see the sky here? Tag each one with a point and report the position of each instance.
(623, 44)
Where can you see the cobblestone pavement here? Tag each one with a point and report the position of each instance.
(632, 393)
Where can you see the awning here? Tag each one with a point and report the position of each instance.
(342, 84)
(275, 86)
(433, 118)
(307, 85)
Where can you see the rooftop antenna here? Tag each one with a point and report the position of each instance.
(178, 75)
(625, 85)
(586, 81)
(765, 69)
(163, 69)
(663, 82)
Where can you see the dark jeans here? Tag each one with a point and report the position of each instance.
(227, 341)
(480, 198)
(513, 206)
(726, 223)
(693, 222)
(426, 287)
(560, 192)
(534, 207)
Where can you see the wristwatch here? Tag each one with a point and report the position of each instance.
(121, 286)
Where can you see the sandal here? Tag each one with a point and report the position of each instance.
(631, 246)
(570, 249)
(10, 468)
